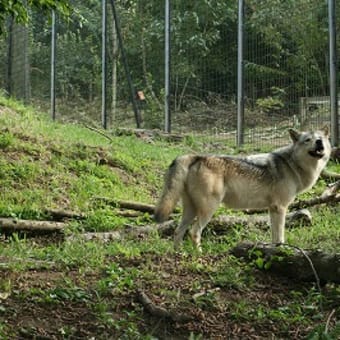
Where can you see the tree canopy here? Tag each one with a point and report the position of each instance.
(20, 9)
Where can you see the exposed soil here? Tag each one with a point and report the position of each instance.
(39, 306)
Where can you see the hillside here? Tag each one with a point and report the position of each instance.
(62, 287)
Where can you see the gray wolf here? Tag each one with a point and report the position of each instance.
(261, 181)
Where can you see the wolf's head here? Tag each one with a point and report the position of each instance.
(314, 144)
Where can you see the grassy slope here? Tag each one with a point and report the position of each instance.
(49, 165)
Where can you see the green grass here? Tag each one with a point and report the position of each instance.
(47, 165)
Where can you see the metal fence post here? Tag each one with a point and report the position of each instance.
(332, 73)
(240, 77)
(53, 64)
(104, 75)
(9, 56)
(167, 112)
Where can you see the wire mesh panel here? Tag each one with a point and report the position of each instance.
(286, 68)
(15, 63)
(40, 61)
(203, 65)
(141, 24)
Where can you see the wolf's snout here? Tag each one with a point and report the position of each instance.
(319, 144)
(318, 149)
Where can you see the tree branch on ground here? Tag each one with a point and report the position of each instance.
(62, 215)
(323, 199)
(220, 225)
(100, 132)
(146, 208)
(160, 312)
(12, 225)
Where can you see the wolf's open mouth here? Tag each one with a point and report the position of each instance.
(317, 153)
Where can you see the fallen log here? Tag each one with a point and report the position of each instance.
(295, 218)
(149, 208)
(164, 229)
(219, 224)
(64, 215)
(12, 225)
(325, 198)
(302, 265)
(332, 198)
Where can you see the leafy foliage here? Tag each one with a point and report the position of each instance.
(21, 12)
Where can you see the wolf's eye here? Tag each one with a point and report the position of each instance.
(308, 140)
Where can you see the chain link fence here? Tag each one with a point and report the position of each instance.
(286, 66)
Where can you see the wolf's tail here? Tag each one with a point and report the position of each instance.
(175, 179)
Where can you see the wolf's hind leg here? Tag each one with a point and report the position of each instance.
(202, 220)
(277, 221)
(189, 214)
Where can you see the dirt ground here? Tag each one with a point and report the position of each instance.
(28, 311)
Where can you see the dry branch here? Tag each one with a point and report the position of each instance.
(327, 197)
(161, 312)
(61, 215)
(11, 225)
(293, 262)
(294, 218)
(220, 225)
(149, 208)
(100, 132)
(333, 198)
(164, 229)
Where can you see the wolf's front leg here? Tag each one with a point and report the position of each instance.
(277, 220)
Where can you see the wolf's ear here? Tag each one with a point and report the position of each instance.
(294, 135)
(325, 130)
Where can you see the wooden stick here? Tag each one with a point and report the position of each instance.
(61, 215)
(149, 208)
(333, 198)
(11, 225)
(161, 312)
(220, 224)
(100, 132)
